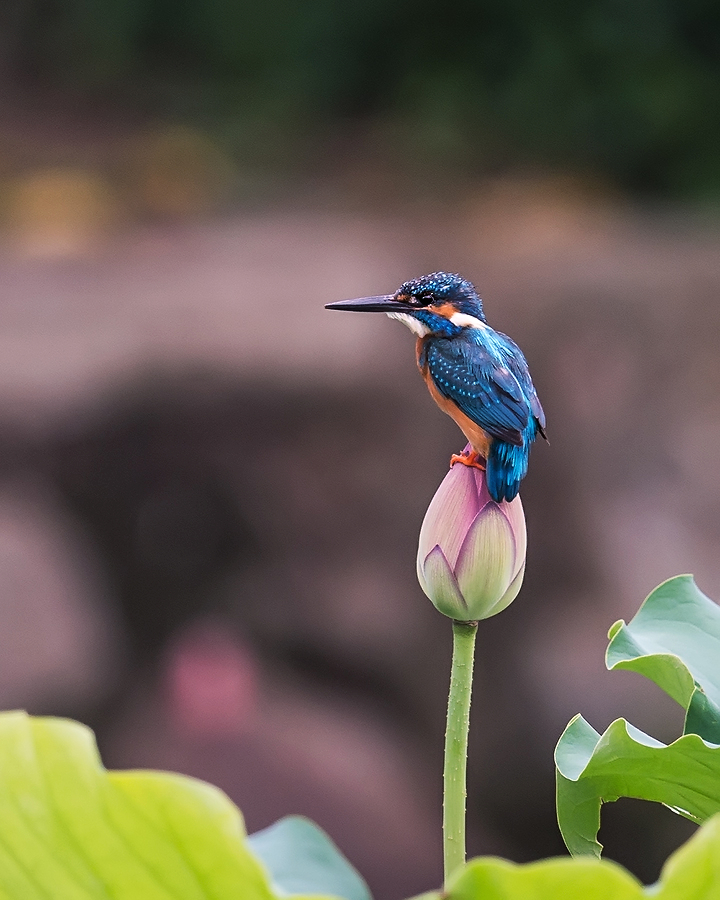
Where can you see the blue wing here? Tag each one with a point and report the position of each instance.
(516, 362)
(488, 384)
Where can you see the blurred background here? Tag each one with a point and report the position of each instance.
(211, 488)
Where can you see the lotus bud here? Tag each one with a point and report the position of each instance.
(471, 556)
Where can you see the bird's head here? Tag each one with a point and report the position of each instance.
(439, 303)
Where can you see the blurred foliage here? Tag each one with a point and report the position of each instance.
(626, 89)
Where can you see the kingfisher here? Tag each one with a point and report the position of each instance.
(476, 375)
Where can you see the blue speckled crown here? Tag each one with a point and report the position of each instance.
(450, 288)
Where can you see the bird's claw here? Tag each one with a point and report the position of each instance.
(472, 459)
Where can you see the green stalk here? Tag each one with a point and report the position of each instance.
(456, 745)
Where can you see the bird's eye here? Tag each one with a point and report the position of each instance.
(424, 299)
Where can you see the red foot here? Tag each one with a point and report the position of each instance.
(468, 459)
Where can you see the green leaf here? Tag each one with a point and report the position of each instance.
(71, 830)
(301, 859)
(674, 639)
(550, 879)
(691, 873)
(594, 769)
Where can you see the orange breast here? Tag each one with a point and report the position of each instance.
(479, 439)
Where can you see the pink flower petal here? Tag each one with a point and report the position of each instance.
(510, 594)
(441, 587)
(483, 494)
(451, 512)
(486, 562)
(516, 518)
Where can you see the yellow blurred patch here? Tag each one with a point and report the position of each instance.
(59, 212)
(176, 172)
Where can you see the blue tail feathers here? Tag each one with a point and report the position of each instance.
(507, 465)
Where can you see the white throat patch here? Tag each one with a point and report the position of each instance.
(412, 323)
(464, 321)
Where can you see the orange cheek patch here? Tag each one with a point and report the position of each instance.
(446, 310)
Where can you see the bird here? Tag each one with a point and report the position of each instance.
(477, 375)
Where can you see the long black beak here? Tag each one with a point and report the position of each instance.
(385, 303)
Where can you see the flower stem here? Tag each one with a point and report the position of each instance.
(456, 744)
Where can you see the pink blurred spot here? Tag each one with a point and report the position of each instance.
(211, 682)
